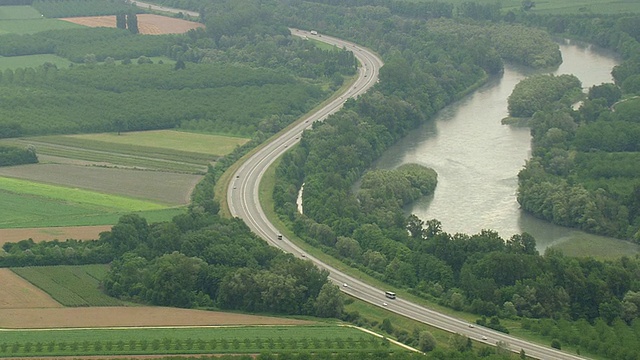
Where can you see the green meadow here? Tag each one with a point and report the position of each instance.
(33, 61)
(16, 12)
(31, 204)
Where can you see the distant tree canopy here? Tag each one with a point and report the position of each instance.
(541, 91)
(10, 155)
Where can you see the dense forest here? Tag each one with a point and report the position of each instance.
(584, 168)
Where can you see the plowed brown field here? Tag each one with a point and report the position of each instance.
(52, 233)
(19, 293)
(147, 23)
(143, 316)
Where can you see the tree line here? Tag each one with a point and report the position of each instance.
(12, 155)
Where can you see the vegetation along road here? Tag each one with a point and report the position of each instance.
(243, 200)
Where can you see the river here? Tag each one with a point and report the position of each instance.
(477, 158)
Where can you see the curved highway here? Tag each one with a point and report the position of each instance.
(244, 203)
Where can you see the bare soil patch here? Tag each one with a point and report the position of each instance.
(143, 316)
(147, 23)
(52, 233)
(19, 293)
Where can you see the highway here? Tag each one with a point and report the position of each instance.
(155, 7)
(242, 196)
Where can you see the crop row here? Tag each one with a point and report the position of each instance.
(121, 160)
(130, 149)
(167, 345)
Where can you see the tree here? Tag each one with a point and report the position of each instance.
(172, 279)
(386, 326)
(119, 125)
(609, 92)
(426, 341)
(144, 60)
(132, 23)
(348, 247)
(329, 302)
(528, 5)
(180, 65)
(121, 20)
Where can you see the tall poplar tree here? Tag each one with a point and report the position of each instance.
(121, 20)
(132, 23)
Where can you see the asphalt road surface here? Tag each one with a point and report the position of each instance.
(242, 197)
(144, 5)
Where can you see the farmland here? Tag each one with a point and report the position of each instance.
(178, 142)
(52, 233)
(187, 340)
(19, 293)
(127, 317)
(31, 204)
(148, 24)
(70, 285)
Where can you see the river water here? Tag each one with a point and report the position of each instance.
(477, 158)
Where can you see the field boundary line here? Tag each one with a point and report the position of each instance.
(396, 342)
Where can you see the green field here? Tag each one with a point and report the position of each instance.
(164, 150)
(215, 145)
(31, 204)
(563, 6)
(33, 61)
(70, 285)
(89, 199)
(34, 26)
(601, 248)
(14, 12)
(248, 339)
(173, 155)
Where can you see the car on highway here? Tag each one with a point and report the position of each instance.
(279, 236)
(484, 338)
